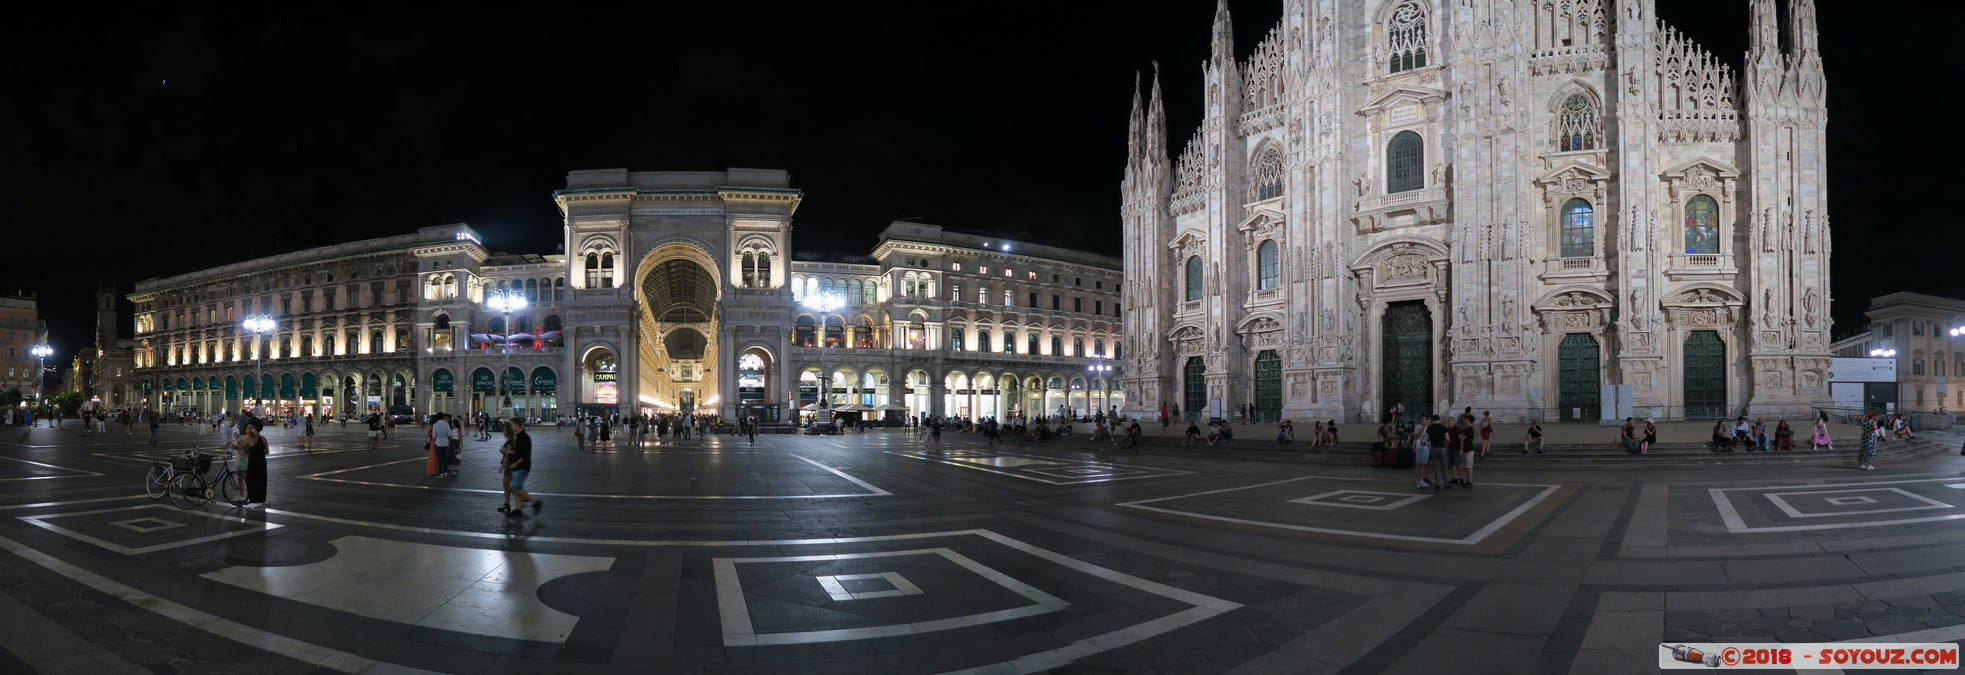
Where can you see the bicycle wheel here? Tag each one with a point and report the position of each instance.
(154, 483)
(231, 487)
(190, 490)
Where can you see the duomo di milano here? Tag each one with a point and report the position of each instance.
(1503, 204)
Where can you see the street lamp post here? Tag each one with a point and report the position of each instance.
(1101, 368)
(259, 325)
(506, 302)
(41, 354)
(823, 304)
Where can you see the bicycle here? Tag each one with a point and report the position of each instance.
(181, 479)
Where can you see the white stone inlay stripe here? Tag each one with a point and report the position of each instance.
(1469, 540)
(1780, 501)
(738, 631)
(40, 520)
(1736, 525)
(871, 491)
(306, 652)
(469, 590)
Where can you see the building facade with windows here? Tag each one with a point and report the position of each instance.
(677, 292)
(21, 328)
(1916, 330)
(1492, 204)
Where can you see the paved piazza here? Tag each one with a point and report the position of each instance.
(880, 553)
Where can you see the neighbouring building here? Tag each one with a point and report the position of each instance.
(679, 291)
(1487, 203)
(1915, 330)
(21, 328)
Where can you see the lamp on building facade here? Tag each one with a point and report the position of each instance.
(259, 325)
(41, 354)
(506, 302)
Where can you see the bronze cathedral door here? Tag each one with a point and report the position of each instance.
(1407, 350)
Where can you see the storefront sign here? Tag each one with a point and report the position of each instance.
(442, 381)
(482, 382)
(604, 393)
(750, 390)
(1862, 370)
(544, 381)
(604, 376)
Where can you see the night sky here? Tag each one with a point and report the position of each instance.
(163, 138)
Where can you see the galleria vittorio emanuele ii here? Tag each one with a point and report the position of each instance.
(1500, 205)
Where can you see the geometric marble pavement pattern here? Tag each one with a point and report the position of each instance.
(470, 590)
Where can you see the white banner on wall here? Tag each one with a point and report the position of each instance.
(1862, 370)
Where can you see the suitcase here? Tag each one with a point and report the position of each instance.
(1377, 457)
(430, 466)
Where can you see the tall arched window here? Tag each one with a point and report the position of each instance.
(1194, 278)
(983, 341)
(1405, 159)
(1701, 225)
(955, 340)
(763, 269)
(749, 267)
(853, 294)
(1579, 238)
(532, 290)
(805, 332)
(1405, 36)
(1057, 346)
(607, 270)
(593, 270)
(871, 290)
(1030, 342)
(1576, 124)
(1267, 177)
(1077, 346)
(559, 289)
(811, 287)
(1268, 267)
(1098, 347)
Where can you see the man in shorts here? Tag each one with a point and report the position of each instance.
(374, 431)
(518, 466)
(1465, 451)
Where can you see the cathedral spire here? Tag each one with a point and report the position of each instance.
(1156, 121)
(1801, 26)
(1765, 25)
(1224, 35)
(1135, 124)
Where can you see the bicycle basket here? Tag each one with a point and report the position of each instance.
(183, 463)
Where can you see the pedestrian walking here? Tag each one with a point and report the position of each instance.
(518, 467)
(307, 435)
(505, 472)
(152, 415)
(579, 435)
(440, 446)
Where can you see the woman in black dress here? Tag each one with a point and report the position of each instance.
(253, 446)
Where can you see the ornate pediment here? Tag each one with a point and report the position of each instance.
(1393, 95)
(1185, 332)
(1260, 322)
(1189, 241)
(1574, 299)
(1700, 175)
(1574, 171)
(1705, 296)
(1261, 221)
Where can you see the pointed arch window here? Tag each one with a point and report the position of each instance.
(1404, 160)
(1267, 176)
(1268, 266)
(1577, 124)
(1194, 278)
(1701, 225)
(1578, 229)
(1405, 37)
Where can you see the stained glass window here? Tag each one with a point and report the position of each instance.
(1194, 278)
(1268, 267)
(1404, 158)
(1701, 225)
(1578, 229)
(1577, 122)
(1406, 38)
(1268, 175)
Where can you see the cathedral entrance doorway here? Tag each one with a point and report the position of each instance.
(1705, 376)
(1194, 381)
(1407, 370)
(1268, 386)
(1579, 378)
